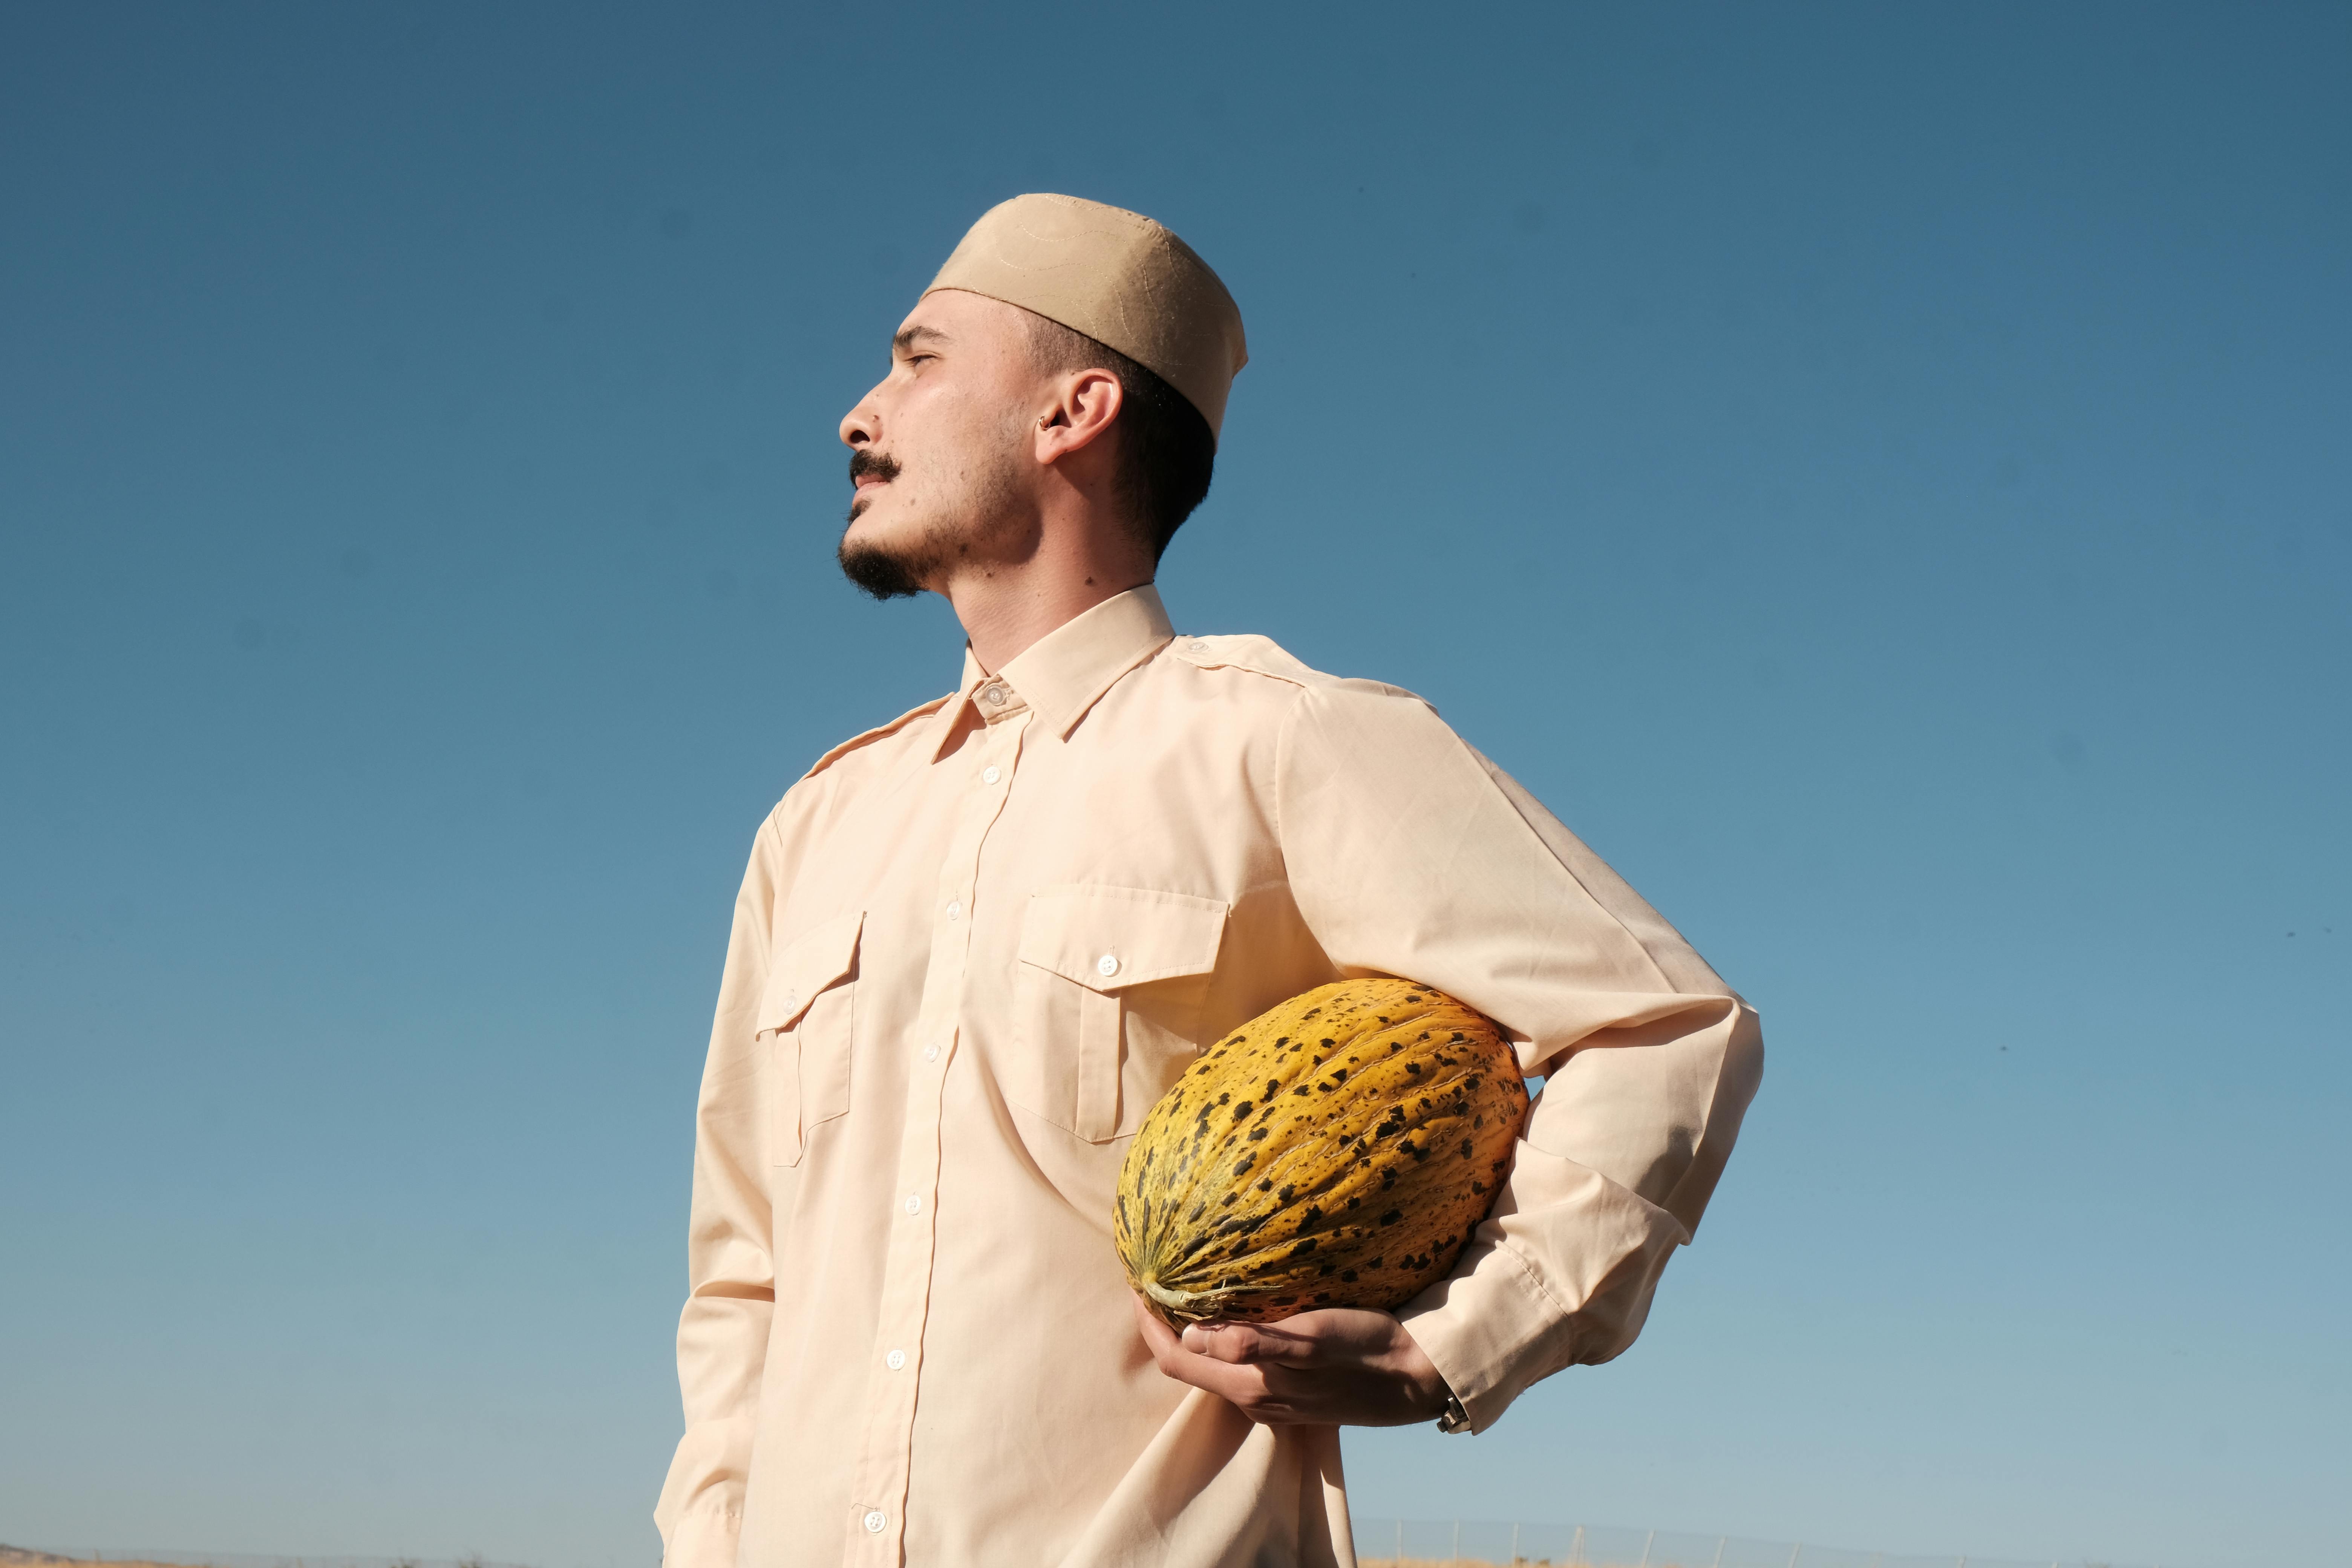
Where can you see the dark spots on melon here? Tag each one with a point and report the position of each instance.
(1348, 1276)
(1228, 1200)
(1392, 1216)
(1266, 1184)
(1242, 1109)
(1225, 1099)
(1468, 1148)
(1414, 1068)
(1246, 1162)
(1353, 1203)
(1256, 1134)
(1302, 1088)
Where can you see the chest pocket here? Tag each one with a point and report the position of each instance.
(807, 1014)
(1107, 997)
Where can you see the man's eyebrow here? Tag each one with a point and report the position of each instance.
(909, 336)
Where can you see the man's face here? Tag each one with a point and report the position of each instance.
(941, 455)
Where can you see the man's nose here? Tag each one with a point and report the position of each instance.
(861, 426)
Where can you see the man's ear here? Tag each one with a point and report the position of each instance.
(1084, 402)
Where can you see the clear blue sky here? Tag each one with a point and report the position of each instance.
(1879, 472)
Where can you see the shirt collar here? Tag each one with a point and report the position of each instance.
(1064, 673)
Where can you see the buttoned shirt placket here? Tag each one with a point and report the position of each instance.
(877, 1522)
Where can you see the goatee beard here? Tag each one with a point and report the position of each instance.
(985, 521)
(878, 573)
(875, 571)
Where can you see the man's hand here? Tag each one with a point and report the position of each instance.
(1341, 1366)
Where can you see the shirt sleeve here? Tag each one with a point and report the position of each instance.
(1410, 854)
(722, 1334)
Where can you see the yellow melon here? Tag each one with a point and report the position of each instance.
(1335, 1150)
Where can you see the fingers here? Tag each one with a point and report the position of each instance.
(1244, 1344)
(1246, 1387)
(1334, 1337)
(1333, 1366)
(1158, 1337)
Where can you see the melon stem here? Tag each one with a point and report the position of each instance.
(1175, 1300)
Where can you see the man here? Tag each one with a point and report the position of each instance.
(975, 945)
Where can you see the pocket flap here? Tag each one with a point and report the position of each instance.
(806, 965)
(1107, 938)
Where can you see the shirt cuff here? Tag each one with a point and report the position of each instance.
(1490, 1331)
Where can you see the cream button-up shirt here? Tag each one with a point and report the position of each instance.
(975, 945)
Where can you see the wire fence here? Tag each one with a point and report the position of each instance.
(132, 1557)
(1495, 1543)
(1380, 1544)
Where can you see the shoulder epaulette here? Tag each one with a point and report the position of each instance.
(1246, 650)
(876, 733)
(1263, 655)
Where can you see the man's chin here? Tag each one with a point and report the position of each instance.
(882, 573)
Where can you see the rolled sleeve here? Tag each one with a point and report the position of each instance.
(1410, 854)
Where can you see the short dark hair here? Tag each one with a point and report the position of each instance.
(1166, 451)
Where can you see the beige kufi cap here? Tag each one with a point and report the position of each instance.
(1116, 276)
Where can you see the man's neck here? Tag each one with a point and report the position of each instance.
(1006, 607)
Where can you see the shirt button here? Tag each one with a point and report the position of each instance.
(988, 776)
(876, 1521)
(955, 911)
(930, 1053)
(1199, 647)
(895, 1359)
(995, 696)
(914, 1204)
(1107, 966)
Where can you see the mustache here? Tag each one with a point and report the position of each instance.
(866, 461)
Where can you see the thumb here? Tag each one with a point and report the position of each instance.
(1248, 1344)
(1239, 1343)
